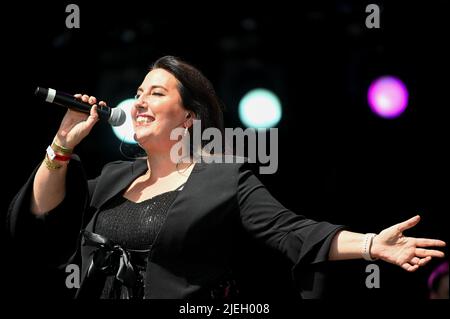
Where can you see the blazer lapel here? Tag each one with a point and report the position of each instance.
(115, 179)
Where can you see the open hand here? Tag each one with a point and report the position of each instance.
(407, 252)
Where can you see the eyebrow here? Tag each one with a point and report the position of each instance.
(140, 89)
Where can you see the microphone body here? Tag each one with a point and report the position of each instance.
(115, 117)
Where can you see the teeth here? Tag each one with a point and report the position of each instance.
(143, 119)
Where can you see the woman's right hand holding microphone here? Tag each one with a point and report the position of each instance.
(75, 126)
(49, 186)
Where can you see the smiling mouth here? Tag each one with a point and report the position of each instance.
(144, 120)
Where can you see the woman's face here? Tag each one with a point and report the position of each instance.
(157, 111)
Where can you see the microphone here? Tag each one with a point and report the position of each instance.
(113, 116)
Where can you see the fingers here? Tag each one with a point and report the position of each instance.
(409, 267)
(86, 98)
(93, 113)
(92, 100)
(415, 261)
(408, 223)
(424, 261)
(425, 242)
(420, 261)
(89, 99)
(420, 252)
(93, 117)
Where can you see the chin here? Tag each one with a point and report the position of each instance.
(141, 133)
(143, 138)
(140, 138)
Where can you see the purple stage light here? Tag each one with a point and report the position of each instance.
(388, 97)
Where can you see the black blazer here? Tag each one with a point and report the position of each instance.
(220, 206)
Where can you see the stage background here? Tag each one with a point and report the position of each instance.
(337, 160)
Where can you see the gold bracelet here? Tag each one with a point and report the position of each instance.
(50, 164)
(61, 149)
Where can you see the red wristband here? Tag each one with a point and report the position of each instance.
(54, 156)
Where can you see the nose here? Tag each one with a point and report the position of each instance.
(139, 104)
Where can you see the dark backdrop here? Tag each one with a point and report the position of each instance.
(337, 160)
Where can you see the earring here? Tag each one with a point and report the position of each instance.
(185, 131)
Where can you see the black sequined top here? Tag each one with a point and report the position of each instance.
(133, 226)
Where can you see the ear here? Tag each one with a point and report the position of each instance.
(189, 119)
(190, 114)
(188, 123)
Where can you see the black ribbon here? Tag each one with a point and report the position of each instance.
(111, 258)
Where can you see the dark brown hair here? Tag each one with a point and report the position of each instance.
(197, 93)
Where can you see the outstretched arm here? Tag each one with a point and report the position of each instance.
(389, 245)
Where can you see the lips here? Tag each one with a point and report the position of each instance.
(142, 119)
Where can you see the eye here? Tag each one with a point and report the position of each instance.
(157, 94)
(137, 96)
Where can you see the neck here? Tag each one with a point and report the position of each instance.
(160, 165)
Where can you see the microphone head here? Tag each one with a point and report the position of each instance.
(41, 92)
(117, 117)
